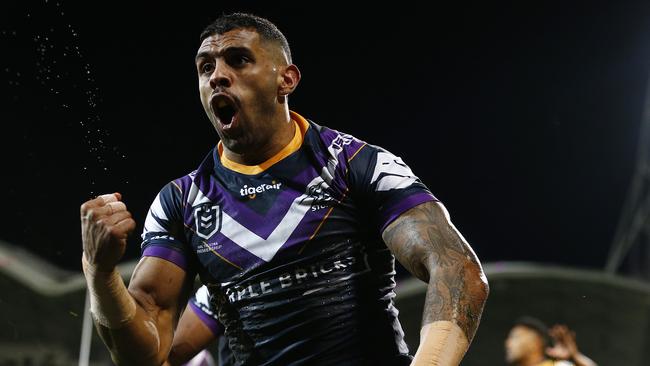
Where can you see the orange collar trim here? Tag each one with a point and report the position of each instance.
(301, 129)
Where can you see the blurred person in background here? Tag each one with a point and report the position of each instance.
(531, 343)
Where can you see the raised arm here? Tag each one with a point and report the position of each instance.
(135, 324)
(425, 241)
(565, 346)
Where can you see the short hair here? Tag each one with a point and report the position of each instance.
(267, 30)
(537, 326)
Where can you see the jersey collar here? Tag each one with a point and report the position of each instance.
(301, 129)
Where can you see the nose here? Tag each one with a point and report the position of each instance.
(220, 77)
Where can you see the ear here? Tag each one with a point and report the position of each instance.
(289, 79)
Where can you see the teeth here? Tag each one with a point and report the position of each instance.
(221, 103)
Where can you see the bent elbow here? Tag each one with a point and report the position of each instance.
(478, 283)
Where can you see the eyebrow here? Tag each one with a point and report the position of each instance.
(207, 54)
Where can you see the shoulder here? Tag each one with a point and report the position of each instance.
(338, 144)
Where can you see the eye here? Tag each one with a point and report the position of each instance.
(238, 60)
(206, 68)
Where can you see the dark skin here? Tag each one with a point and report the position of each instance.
(191, 337)
(255, 77)
(252, 78)
(158, 287)
(426, 243)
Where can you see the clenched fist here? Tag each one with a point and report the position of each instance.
(105, 225)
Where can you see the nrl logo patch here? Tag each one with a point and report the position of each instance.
(208, 219)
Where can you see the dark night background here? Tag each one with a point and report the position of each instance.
(522, 117)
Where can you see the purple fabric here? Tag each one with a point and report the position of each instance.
(245, 259)
(233, 252)
(165, 253)
(185, 183)
(209, 321)
(266, 223)
(244, 214)
(306, 228)
(328, 135)
(390, 213)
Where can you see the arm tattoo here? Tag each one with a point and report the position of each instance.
(429, 246)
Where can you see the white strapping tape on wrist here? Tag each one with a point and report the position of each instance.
(110, 303)
(442, 343)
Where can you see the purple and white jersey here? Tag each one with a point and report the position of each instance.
(291, 250)
(200, 304)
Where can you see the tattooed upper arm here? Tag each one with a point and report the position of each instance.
(424, 235)
(424, 240)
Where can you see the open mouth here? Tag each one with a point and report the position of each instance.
(225, 109)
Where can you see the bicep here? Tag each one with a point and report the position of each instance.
(423, 237)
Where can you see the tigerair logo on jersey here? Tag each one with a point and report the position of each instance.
(252, 192)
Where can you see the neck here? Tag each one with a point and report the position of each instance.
(283, 130)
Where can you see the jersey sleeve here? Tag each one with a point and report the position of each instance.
(386, 184)
(163, 235)
(200, 304)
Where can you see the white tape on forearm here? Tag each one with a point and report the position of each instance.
(110, 302)
(442, 343)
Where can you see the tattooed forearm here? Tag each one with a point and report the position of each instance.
(429, 246)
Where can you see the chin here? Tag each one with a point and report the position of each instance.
(235, 145)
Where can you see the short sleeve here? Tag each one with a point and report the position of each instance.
(200, 304)
(386, 184)
(163, 235)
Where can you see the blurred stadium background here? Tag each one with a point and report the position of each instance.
(536, 129)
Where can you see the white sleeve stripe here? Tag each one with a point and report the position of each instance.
(155, 213)
(391, 172)
(388, 182)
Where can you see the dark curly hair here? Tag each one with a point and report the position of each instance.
(267, 30)
(537, 326)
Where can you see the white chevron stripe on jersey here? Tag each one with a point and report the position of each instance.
(391, 172)
(150, 223)
(263, 248)
(266, 248)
